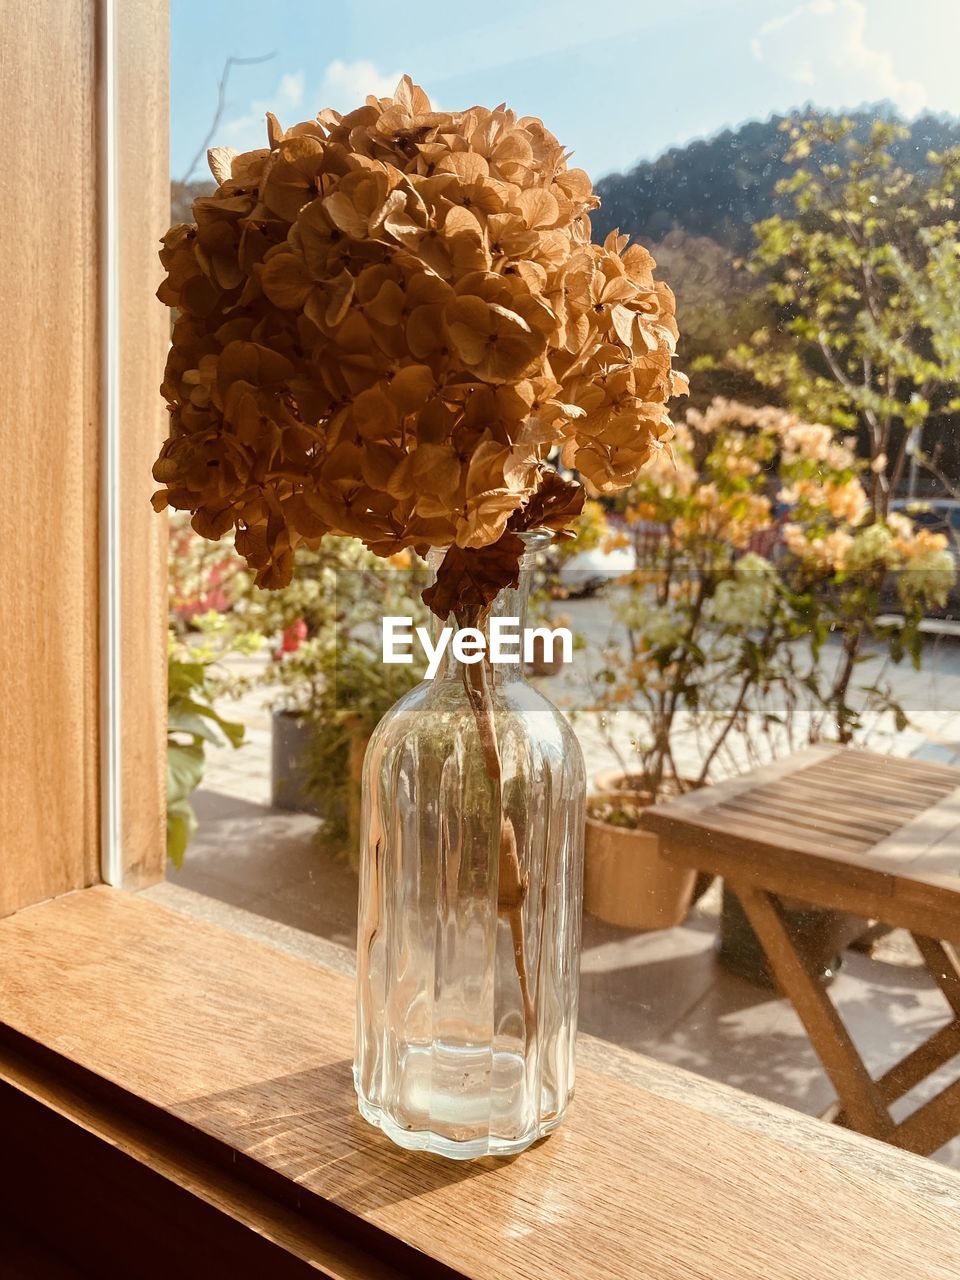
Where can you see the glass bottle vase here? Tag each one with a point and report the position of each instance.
(469, 925)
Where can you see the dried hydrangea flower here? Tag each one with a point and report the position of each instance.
(388, 321)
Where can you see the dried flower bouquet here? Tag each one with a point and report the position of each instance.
(387, 321)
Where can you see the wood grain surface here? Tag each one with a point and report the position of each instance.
(830, 1142)
(143, 1206)
(143, 166)
(48, 452)
(252, 1047)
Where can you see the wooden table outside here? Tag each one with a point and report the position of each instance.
(840, 828)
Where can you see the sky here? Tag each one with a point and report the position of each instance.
(617, 83)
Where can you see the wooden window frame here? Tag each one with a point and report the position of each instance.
(152, 1064)
(134, 156)
(82, 765)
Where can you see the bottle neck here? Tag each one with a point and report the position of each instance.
(501, 631)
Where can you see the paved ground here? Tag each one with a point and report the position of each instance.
(663, 993)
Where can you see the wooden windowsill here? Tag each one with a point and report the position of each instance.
(222, 1064)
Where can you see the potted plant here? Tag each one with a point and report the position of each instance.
(626, 881)
(705, 625)
(353, 690)
(323, 627)
(298, 621)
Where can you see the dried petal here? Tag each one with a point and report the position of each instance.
(468, 579)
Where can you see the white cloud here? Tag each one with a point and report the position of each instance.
(822, 45)
(345, 84)
(290, 90)
(248, 131)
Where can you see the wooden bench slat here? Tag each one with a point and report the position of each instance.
(836, 795)
(781, 835)
(794, 870)
(924, 770)
(795, 811)
(859, 782)
(909, 782)
(872, 789)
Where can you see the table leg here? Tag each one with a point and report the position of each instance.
(930, 1126)
(858, 1094)
(943, 967)
(922, 1062)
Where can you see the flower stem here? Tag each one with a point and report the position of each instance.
(512, 883)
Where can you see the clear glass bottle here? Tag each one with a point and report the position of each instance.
(470, 891)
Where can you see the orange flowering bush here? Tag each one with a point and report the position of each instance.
(762, 579)
(387, 322)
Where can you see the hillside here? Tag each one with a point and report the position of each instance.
(720, 186)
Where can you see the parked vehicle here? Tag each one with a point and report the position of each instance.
(587, 571)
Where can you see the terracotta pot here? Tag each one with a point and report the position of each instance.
(617, 780)
(627, 882)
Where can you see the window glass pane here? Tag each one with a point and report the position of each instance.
(781, 577)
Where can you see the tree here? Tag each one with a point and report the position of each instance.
(853, 268)
(933, 291)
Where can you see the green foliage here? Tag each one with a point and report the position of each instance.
(695, 207)
(618, 810)
(866, 331)
(931, 292)
(354, 689)
(340, 593)
(334, 678)
(193, 721)
(718, 302)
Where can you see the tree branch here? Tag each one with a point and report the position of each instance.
(228, 66)
(844, 379)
